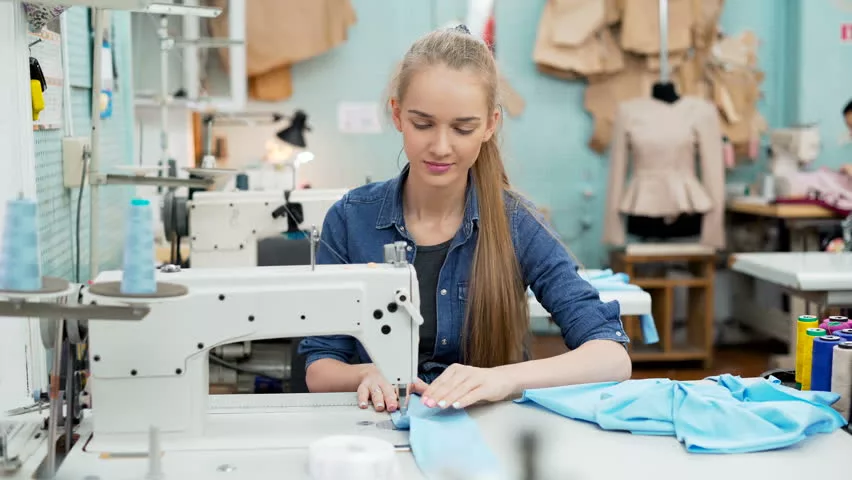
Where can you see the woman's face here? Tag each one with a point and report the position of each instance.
(444, 119)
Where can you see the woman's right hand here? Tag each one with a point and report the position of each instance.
(374, 388)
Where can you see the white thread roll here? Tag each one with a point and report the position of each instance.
(841, 376)
(351, 457)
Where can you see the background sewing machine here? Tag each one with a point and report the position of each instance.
(791, 149)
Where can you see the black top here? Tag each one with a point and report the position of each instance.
(427, 263)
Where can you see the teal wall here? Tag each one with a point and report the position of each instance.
(57, 205)
(546, 150)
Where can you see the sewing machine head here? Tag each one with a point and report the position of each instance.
(155, 371)
(247, 217)
(794, 146)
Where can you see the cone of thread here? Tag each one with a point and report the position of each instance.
(841, 377)
(845, 334)
(805, 322)
(139, 270)
(807, 357)
(822, 362)
(20, 267)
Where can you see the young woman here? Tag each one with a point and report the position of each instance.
(475, 244)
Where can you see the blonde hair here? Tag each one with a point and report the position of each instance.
(497, 316)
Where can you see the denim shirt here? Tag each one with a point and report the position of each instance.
(357, 227)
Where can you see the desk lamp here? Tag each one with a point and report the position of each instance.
(294, 135)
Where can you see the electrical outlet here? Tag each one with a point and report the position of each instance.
(74, 151)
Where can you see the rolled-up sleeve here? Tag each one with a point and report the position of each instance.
(551, 273)
(331, 250)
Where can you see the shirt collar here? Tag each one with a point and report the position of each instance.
(391, 211)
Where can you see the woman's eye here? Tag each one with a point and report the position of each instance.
(421, 126)
(463, 131)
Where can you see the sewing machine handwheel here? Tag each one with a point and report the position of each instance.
(112, 291)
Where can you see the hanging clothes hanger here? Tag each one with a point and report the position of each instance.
(664, 90)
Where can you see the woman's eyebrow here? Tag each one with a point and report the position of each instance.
(458, 119)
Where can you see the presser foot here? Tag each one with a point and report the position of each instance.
(403, 396)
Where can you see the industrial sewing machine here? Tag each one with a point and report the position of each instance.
(225, 227)
(149, 379)
(791, 149)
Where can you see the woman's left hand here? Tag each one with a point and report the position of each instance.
(460, 386)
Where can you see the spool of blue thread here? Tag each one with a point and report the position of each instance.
(242, 182)
(20, 269)
(845, 334)
(821, 369)
(139, 274)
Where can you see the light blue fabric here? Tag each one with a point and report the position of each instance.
(447, 441)
(726, 415)
(606, 280)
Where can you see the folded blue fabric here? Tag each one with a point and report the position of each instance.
(446, 442)
(725, 415)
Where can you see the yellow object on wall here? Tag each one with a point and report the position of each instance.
(38, 98)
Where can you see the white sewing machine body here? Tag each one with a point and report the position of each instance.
(224, 227)
(155, 372)
(792, 148)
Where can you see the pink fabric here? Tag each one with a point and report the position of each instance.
(832, 189)
(730, 157)
(754, 147)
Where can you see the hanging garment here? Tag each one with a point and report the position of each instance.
(640, 26)
(705, 15)
(724, 415)
(572, 38)
(659, 142)
(447, 442)
(280, 33)
(827, 188)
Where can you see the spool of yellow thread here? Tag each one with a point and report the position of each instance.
(38, 98)
(808, 355)
(805, 322)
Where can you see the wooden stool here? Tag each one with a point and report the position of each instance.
(700, 262)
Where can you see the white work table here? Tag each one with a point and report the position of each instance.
(821, 278)
(813, 274)
(569, 450)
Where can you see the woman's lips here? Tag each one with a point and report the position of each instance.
(438, 167)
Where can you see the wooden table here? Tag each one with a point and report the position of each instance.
(780, 211)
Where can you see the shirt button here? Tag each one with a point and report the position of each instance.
(402, 229)
(618, 333)
(408, 248)
(443, 341)
(443, 291)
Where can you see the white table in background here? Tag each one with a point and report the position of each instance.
(820, 278)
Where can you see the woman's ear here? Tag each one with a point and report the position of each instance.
(491, 126)
(396, 113)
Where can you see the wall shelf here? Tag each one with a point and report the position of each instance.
(143, 6)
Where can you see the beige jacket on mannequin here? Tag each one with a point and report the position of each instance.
(659, 142)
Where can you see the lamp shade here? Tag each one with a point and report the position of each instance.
(295, 133)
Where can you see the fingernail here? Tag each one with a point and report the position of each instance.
(442, 403)
(430, 403)
(456, 405)
(391, 408)
(424, 400)
(363, 404)
(380, 405)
